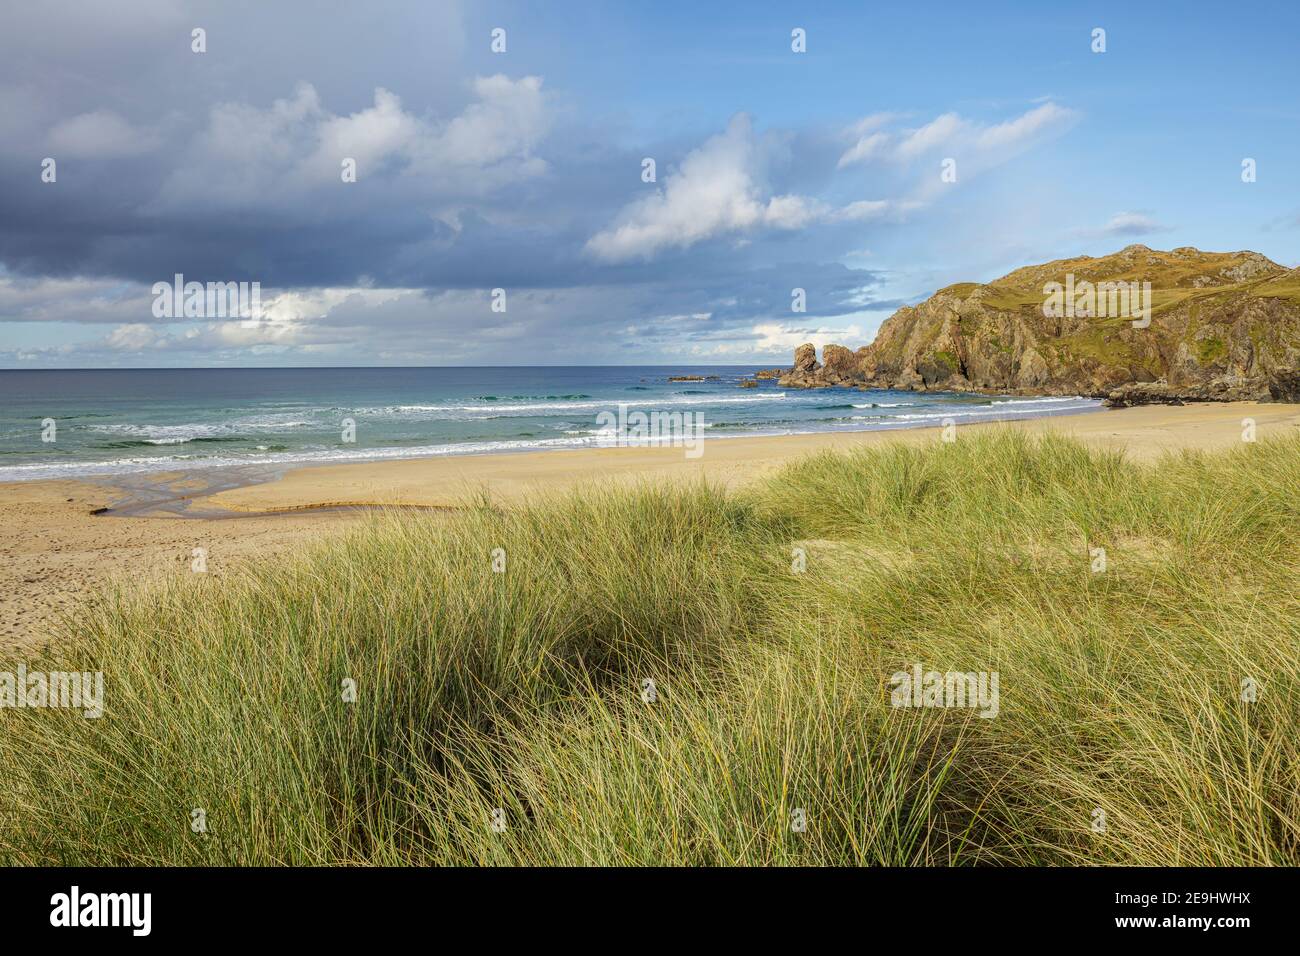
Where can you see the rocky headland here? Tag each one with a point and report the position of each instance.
(1136, 327)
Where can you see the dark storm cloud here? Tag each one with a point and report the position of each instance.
(225, 166)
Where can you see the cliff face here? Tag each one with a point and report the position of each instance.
(1139, 325)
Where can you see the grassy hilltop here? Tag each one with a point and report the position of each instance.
(1223, 325)
(1121, 689)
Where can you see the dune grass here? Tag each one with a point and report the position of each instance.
(525, 692)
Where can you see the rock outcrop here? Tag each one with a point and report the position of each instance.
(1137, 326)
(805, 360)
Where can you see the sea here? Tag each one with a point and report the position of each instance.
(103, 422)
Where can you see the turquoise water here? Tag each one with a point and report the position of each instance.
(140, 420)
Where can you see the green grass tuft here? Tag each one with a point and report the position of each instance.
(1119, 690)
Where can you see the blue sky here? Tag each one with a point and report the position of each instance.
(521, 170)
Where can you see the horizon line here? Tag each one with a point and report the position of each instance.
(281, 368)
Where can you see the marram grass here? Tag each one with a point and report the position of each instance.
(767, 736)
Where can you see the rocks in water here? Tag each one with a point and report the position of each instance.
(772, 372)
(748, 383)
(838, 364)
(806, 370)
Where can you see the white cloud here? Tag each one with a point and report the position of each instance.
(872, 210)
(368, 136)
(216, 336)
(937, 132)
(1128, 224)
(76, 299)
(720, 187)
(508, 120)
(247, 153)
(866, 148)
(99, 135)
(714, 192)
(1018, 131)
(132, 338)
(974, 144)
(718, 190)
(871, 123)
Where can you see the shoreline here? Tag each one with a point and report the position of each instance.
(210, 483)
(54, 553)
(1144, 432)
(272, 464)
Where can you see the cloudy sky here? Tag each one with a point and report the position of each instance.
(525, 170)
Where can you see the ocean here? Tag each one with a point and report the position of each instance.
(129, 421)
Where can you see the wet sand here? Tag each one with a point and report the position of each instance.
(54, 553)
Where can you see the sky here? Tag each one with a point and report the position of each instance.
(904, 148)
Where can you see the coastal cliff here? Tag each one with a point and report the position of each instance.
(1137, 326)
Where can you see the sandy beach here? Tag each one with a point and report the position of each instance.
(56, 552)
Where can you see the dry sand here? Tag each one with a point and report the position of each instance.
(55, 553)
